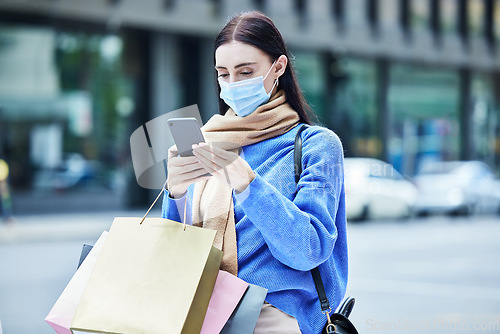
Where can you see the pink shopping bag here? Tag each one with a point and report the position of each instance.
(227, 293)
(64, 309)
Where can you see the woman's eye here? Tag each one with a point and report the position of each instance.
(246, 73)
(223, 75)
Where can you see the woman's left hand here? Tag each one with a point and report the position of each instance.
(226, 166)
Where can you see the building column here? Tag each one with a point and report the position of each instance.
(165, 85)
(382, 98)
(138, 68)
(465, 115)
(495, 79)
(335, 115)
(331, 92)
(209, 102)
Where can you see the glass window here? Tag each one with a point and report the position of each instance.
(449, 10)
(355, 10)
(496, 21)
(99, 97)
(389, 13)
(65, 105)
(424, 107)
(476, 17)
(484, 120)
(354, 114)
(310, 73)
(420, 15)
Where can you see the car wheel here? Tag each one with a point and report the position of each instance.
(422, 213)
(465, 210)
(361, 217)
(457, 212)
(365, 214)
(411, 213)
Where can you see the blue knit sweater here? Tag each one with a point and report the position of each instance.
(284, 229)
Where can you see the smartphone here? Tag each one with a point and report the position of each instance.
(186, 132)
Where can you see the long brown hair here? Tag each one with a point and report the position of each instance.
(258, 30)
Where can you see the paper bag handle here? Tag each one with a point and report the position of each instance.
(156, 200)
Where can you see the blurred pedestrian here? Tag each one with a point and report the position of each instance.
(5, 197)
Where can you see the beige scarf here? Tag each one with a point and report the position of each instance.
(212, 200)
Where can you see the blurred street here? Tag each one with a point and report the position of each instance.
(436, 274)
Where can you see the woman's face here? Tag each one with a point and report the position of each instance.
(237, 61)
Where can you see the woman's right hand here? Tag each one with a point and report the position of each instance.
(182, 171)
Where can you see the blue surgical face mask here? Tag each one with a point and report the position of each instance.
(245, 96)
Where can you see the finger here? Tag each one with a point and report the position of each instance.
(209, 155)
(172, 152)
(199, 178)
(221, 173)
(186, 174)
(221, 157)
(205, 159)
(182, 162)
(210, 166)
(189, 178)
(183, 171)
(206, 163)
(227, 155)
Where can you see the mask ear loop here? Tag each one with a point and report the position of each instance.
(274, 62)
(275, 83)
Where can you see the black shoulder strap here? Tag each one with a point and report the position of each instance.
(297, 153)
(297, 156)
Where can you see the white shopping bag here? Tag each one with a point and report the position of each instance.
(62, 312)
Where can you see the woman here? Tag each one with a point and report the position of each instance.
(272, 230)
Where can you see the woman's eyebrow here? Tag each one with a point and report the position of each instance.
(237, 66)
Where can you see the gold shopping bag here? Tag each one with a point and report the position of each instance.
(155, 277)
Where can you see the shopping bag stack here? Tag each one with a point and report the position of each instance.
(157, 277)
(65, 307)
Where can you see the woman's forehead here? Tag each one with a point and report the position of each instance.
(231, 54)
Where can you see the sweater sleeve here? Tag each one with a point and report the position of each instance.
(173, 208)
(301, 233)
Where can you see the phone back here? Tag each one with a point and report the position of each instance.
(186, 132)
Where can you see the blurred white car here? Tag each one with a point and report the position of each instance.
(457, 187)
(374, 189)
(74, 171)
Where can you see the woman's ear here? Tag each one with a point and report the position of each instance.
(281, 63)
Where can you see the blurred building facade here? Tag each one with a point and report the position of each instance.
(406, 81)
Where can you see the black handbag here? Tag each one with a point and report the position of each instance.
(338, 322)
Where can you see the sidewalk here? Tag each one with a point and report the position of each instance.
(63, 226)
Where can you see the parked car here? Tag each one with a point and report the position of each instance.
(457, 187)
(74, 171)
(374, 189)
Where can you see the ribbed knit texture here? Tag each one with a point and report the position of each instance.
(285, 229)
